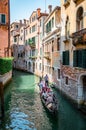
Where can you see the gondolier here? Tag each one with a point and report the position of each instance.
(46, 80)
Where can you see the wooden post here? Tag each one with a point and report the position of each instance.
(2, 98)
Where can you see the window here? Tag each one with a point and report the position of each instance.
(79, 58)
(58, 44)
(79, 19)
(15, 39)
(2, 19)
(30, 30)
(58, 73)
(65, 57)
(17, 26)
(67, 28)
(48, 27)
(40, 66)
(66, 80)
(53, 22)
(33, 28)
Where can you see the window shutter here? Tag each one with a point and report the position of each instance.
(3, 18)
(79, 58)
(50, 25)
(63, 58)
(66, 58)
(84, 58)
(75, 58)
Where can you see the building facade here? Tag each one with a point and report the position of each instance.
(28, 36)
(51, 45)
(73, 49)
(17, 41)
(4, 28)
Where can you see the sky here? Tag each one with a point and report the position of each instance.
(22, 9)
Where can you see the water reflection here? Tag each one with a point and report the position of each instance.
(24, 110)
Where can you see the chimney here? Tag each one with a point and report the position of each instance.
(20, 22)
(25, 21)
(38, 12)
(50, 8)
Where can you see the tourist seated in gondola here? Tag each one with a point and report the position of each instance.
(49, 99)
(44, 95)
(41, 85)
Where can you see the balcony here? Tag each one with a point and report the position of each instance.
(79, 37)
(32, 45)
(66, 3)
(33, 57)
(47, 55)
(77, 1)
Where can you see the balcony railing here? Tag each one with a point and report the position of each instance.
(32, 45)
(79, 37)
(47, 55)
(33, 57)
(76, 1)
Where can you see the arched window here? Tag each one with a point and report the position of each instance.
(67, 27)
(79, 19)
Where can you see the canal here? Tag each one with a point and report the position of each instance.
(24, 110)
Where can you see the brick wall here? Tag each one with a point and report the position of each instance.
(4, 28)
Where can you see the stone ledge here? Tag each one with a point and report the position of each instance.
(5, 78)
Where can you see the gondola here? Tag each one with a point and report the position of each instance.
(51, 107)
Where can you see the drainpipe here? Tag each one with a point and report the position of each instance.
(8, 26)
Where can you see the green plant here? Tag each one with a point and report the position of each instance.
(5, 65)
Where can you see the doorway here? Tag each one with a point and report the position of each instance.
(84, 87)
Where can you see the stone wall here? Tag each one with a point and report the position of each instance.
(5, 78)
(71, 83)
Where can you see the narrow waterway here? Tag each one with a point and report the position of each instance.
(24, 110)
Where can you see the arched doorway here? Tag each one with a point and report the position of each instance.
(29, 66)
(33, 67)
(84, 87)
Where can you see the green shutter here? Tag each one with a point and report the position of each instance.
(79, 58)
(33, 39)
(75, 58)
(63, 58)
(3, 18)
(66, 58)
(84, 58)
(50, 25)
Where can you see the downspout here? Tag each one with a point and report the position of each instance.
(8, 27)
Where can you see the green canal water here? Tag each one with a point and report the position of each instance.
(24, 110)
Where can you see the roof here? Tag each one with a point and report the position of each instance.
(56, 8)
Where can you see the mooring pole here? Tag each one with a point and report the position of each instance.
(2, 98)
